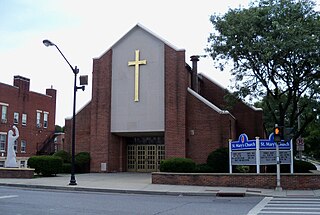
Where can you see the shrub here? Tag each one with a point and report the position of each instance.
(218, 160)
(300, 166)
(82, 161)
(177, 165)
(65, 156)
(33, 162)
(45, 165)
(66, 168)
(242, 169)
(203, 168)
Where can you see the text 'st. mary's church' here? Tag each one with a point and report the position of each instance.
(148, 104)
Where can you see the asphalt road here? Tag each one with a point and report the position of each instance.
(18, 201)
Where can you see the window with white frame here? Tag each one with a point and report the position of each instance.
(45, 119)
(24, 119)
(4, 110)
(23, 146)
(38, 119)
(3, 138)
(1, 163)
(15, 117)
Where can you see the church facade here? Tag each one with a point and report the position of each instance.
(148, 104)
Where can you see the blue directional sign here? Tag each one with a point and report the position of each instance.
(243, 143)
(270, 144)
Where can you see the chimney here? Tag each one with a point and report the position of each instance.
(22, 83)
(194, 81)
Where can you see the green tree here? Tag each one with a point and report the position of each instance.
(274, 46)
(59, 128)
(312, 140)
(312, 110)
(311, 134)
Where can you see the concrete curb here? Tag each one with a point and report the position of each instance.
(107, 190)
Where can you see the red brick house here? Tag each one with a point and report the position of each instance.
(32, 113)
(148, 104)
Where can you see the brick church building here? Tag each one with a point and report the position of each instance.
(148, 104)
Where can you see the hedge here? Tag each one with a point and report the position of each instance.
(46, 165)
(177, 165)
(65, 156)
(82, 161)
(218, 160)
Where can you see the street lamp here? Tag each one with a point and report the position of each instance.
(75, 71)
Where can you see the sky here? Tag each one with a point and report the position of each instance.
(84, 30)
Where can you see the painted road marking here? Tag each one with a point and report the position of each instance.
(270, 205)
(8, 197)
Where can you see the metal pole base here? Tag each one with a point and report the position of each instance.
(278, 189)
(73, 181)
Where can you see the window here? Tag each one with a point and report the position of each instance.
(24, 119)
(15, 118)
(38, 119)
(45, 119)
(4, 109)
(22, 164)
(23, 146)
(3, 138)
(1, 163)
(15, 146)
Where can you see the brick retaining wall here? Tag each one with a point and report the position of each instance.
(298, 181)
(16, 173)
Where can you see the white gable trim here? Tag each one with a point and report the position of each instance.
(209, 104)
(146, 30)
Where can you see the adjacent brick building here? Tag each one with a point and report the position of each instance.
(148, 104)
(32, 113)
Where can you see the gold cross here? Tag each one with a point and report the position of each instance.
(136, 64)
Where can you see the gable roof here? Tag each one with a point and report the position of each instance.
(138, 25)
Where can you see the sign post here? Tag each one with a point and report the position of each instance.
(277, 139)
(300, 146)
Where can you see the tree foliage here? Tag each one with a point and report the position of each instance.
(274, 46)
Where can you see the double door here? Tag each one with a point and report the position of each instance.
(144, 158)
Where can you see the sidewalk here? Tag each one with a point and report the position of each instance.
(140, 183)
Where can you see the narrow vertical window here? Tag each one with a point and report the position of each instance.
(38, 119)
(23, 146)
(45, 119)
(24, 119)
(4, 110)
(15, 118)
(3, 138)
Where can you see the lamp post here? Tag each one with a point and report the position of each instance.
(75, 71)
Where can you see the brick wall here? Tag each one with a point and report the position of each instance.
(101, 112)
(302, 181)
(82, 141)
(176, 83)
(207, 129)
(16, 173)
(249, 121)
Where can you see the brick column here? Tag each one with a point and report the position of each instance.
(176, 82)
